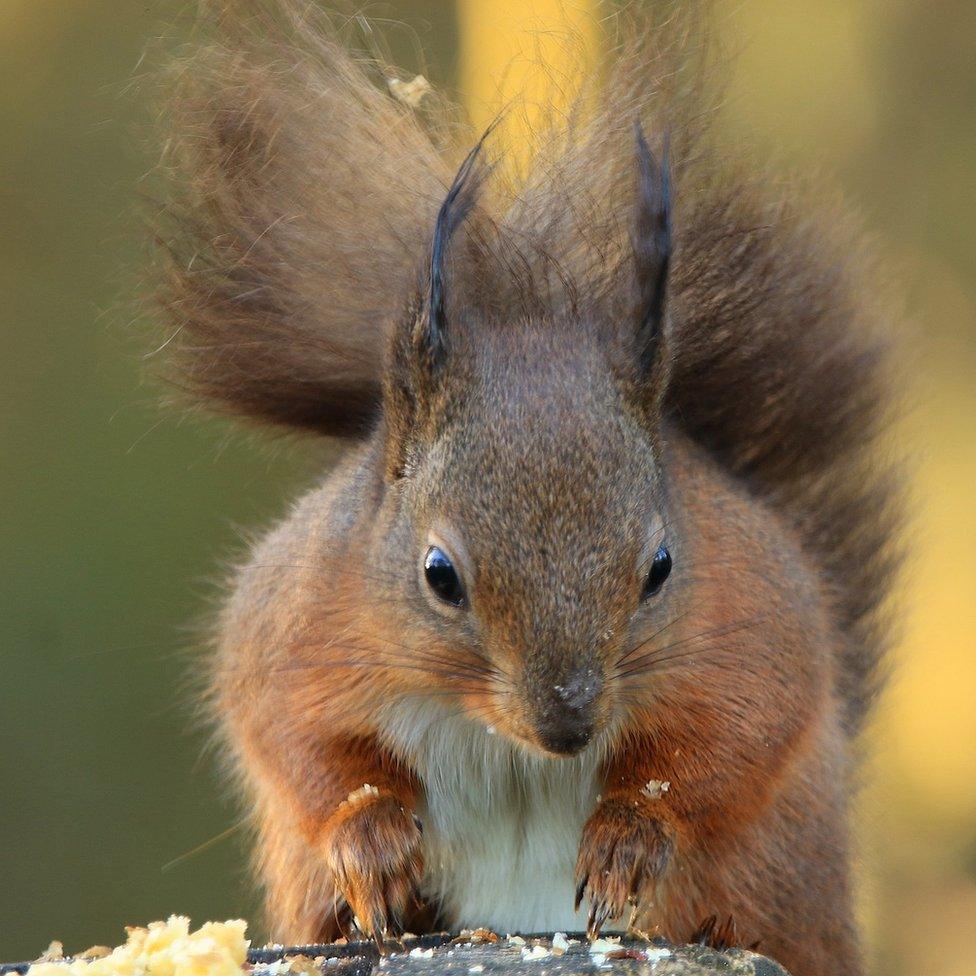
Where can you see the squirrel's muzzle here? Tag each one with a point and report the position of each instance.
(566, 716)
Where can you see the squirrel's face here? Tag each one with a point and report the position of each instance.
(536, 536)
(523, 453)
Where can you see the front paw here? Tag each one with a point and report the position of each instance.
(374, 846)
(626, 847)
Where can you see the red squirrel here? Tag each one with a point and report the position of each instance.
(581, 630)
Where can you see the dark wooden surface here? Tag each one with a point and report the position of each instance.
(447, 955)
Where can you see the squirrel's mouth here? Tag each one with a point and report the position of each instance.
(555, 730)
(566, 738)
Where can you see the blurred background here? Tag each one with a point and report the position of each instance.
(117, 517)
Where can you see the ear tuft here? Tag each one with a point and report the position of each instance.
(457, 205)
(652, 246)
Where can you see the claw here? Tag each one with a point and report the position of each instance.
(635, 878)
(378, 930)
(599, 913)
(634, 914)
(580, 891)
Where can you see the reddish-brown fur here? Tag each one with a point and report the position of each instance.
(536, 447)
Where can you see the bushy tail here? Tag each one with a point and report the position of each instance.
(301, 194)
(308, 197)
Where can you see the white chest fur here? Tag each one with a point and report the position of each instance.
(501, 826)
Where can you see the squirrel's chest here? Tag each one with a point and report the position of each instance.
(501, 827)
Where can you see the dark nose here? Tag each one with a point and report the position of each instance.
(567, 717)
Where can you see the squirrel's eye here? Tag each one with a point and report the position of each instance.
(442, 577)
(660, 570)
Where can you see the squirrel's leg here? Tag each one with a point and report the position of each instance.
(776, 861)
(668, 797)
(627, 843)
(372, 843)
(361, 845)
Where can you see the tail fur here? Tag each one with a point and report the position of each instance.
(306, 195)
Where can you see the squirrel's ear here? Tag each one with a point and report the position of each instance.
(421, 343)
(652, 247)
(431, 335)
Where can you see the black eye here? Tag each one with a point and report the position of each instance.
(660, 570)
(442, 577)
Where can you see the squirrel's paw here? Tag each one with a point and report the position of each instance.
(374, 846)
(625, 848)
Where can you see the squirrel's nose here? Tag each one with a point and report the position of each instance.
(567, 718)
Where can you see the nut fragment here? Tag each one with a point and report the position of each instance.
(365, 792)
(654, 789)
(410, 92)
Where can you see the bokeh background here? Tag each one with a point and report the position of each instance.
(117, 517)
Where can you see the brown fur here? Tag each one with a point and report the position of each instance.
(536, 447)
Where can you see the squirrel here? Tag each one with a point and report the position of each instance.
(581, 629)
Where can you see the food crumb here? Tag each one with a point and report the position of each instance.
(215, 949)
(560, 943)
(53, 953)
(410, 92)
(95, 952)
(365, 792)
(419, 953)
(535, 953)
(654, 789)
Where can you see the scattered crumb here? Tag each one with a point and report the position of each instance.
(482, 935)
(95, 952)
(623, 953)
(601, 948)
(535, 953)
(410, 92)
(477, 968)
(656, 953)
(365, 792)
(560, 943)
(53, 953)
(516, 940)
(164, 949)
(296, 965)
(419, 953)
(654, 789)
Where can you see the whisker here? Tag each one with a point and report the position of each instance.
(647, 662)
(626, 657)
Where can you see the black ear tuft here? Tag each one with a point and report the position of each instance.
(652, 245)
(457, 205)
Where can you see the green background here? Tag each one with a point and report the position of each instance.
(117, 515)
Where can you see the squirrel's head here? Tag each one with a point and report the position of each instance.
(524, 459)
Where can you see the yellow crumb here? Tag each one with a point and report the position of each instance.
(410, 92)
(656, 788)
(362, 795)
(164, 949)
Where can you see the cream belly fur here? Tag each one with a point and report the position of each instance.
(501, 826)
